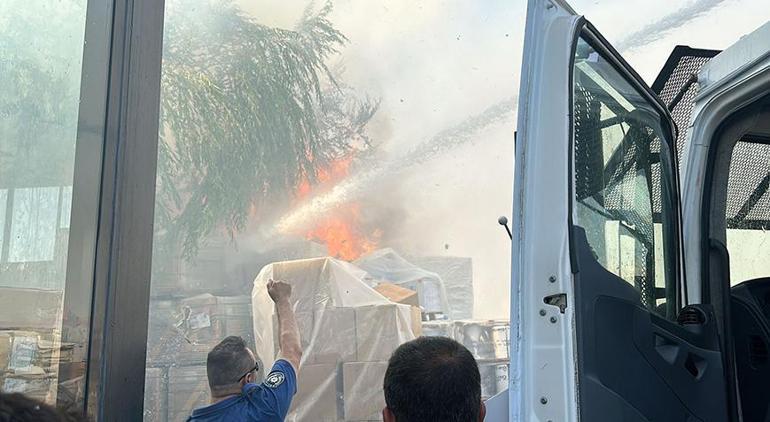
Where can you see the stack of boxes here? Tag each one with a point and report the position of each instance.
(345, 348)
(188, 388)
(346, 355)
(32, 355)
(488, 341)
(30, 361)
(181, 334)
(155, 394)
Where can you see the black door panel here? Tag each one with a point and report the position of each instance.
(634, 365)
(751, 335)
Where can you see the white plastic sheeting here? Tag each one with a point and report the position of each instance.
(457, 275)
(387, 265)
(348, 332)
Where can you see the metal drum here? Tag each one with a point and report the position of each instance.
(486, 339)
(501, 376)
(501, 338)
(475, 336)
(494, 377)
(438, 329)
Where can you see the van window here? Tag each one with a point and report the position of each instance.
(623, 181)
(748, 209)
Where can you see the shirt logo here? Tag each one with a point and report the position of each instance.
(274, 379)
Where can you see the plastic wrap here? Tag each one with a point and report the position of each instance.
(387, 265)
(457, 275)
(348, 331)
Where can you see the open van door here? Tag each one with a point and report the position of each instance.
(600, 330)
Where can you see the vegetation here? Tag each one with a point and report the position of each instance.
(248, 112)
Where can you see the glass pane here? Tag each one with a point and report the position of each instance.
(623, 181)
(360, 151)
(748, 210)
(41, 51)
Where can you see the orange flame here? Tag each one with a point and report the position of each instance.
(341, 231)
(336, 171)
(342, 236)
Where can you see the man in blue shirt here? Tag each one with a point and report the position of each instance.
(232, 369)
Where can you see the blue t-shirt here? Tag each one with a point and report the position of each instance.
(266, 402)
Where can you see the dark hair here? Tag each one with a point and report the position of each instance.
(433, 379)
(226, 362)
(20, 408)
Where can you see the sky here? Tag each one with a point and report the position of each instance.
(434, 64)
(721, 23)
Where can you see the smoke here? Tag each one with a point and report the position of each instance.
(455, 136)
(439, 169)
(356, 184)
(657, 30)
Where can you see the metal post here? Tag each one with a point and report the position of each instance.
(126, 194)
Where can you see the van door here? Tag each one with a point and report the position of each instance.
(599, 325)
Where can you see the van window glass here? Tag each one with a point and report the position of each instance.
(748, 209)
(623, 181)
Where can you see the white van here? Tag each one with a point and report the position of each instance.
(638, 296)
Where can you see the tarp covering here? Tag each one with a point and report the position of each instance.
(457, 275)
(348, 331)
(387, 265)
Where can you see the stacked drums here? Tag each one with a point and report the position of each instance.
(488, 341)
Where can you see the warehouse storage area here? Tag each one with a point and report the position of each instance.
(350, 322)
(161, 161)
(358, 184)
(310, 141)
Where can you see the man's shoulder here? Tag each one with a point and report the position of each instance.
(215, 412)
(282, 371)
(240, 409)
(281, 375)
(275, 393)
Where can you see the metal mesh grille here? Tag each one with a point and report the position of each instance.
(748, 196)
(587, 111)
(683, 63)
(619, 188)
(748, 199)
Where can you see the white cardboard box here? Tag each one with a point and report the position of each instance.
(317, 395)
(362, 390)
(380, 329)
(334, 336)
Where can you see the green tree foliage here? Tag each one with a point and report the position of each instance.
(247, 111)
(40, 60)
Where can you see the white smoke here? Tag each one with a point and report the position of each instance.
(659, 29)
(442, 142)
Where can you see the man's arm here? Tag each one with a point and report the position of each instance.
(288, 340)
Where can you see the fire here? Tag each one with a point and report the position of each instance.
(342, 235)
(336, 171)
(340, 230)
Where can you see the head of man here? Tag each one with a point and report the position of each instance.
(432, 379)
(230, 365)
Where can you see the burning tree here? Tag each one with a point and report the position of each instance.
(248, 114)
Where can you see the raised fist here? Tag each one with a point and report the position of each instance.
(278, 290)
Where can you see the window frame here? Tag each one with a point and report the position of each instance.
(592, 37)
(110, 248)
